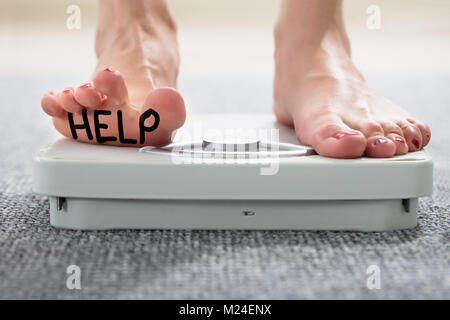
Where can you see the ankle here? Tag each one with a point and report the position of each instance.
(122, 12)
(122, 21)
(308, 26)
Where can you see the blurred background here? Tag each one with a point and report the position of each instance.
(222, 37)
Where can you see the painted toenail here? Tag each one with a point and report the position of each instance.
(86, 85)
(415, 142)
(380, 140)
(67, 91)
(109, 70)
(340, 135)
(399, 140)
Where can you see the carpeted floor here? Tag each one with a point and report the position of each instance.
(216, 264)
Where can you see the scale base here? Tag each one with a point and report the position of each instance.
(360, 215)
(99, 187)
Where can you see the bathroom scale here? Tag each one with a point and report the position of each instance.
(235, 171)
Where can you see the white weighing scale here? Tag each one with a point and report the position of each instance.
(228, 172)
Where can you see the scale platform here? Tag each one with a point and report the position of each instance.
(236, 171)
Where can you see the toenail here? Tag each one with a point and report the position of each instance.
(380, 140)
(340, 135)
(415, 142)
(399, 140)
(67, 91)
(109, 70)
(86, 85)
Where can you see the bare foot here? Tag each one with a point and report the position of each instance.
(320, 92)
(130, 100)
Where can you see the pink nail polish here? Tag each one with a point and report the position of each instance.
(415, 142)
(109, 70)
(343, 134)
(380, 140)
(67, 91)
(86, 85)
(399, 140)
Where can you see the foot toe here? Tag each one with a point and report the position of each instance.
(111, 83)
(379, 146)
(400, 143)
(51, 106)
(88, 96)
(169, 107)
(394, 133)
(68, 102)
(413, 137)
(335, 139)
(424, 130)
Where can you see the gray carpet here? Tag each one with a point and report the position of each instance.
(216, 264)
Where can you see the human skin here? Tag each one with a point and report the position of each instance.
(319, 91)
